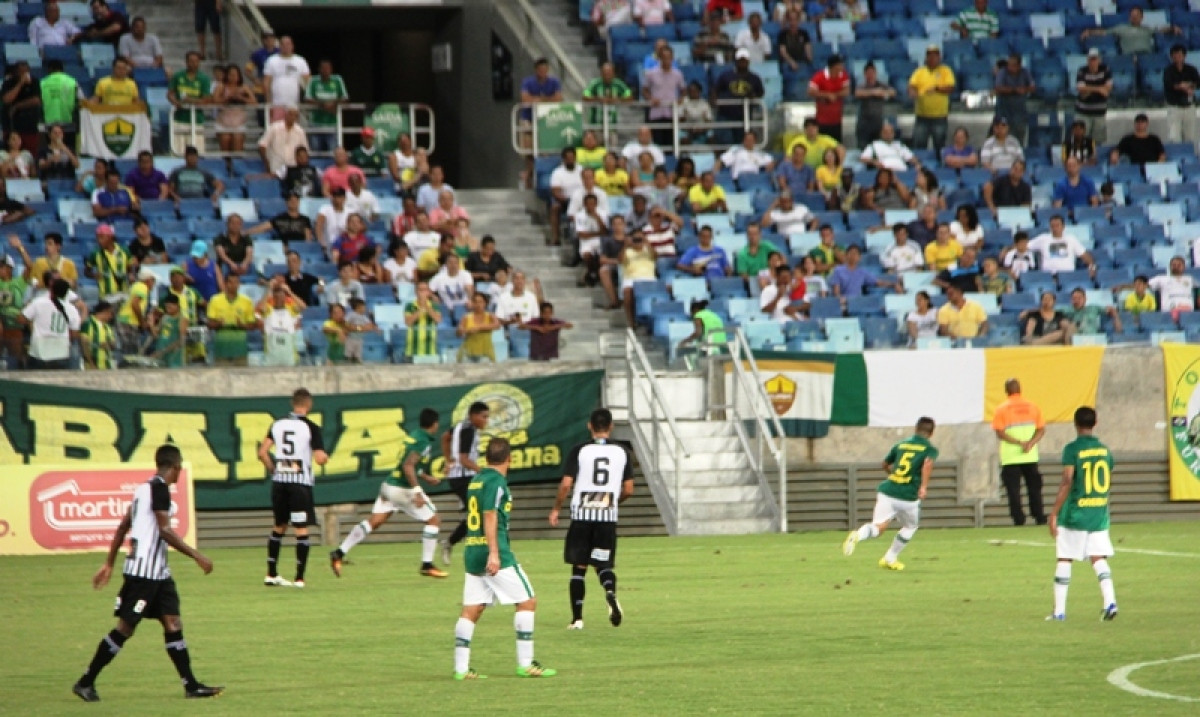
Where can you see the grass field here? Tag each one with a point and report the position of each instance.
(734, 625)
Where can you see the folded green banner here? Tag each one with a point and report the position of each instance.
(364, 433)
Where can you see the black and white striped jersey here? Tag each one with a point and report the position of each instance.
(464, 439)
(296, 439)
(147, 556)
(600, 468)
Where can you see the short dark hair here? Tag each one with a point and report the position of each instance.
(145, 153)
(601, 419)
(301, 395)
(541, 61)
(1059, 217)
(899, 227)
(498, 451)
(170, 299)
(1020, 235)
(167, 456)
(1142, 278)
(357, 302)
(925, 425)
(487, 239)
(1078, 289)
(343, 264)
(545, 305)
(428, 418)
(823, 227)
(1085, 417)
(54, 237)
(477, 408)
(54, 65)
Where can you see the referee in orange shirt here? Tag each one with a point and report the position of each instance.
(1019, 426)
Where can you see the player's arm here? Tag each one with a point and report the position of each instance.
(1064, 489)
(626, 480)
(926, 473)
(172, 538)
(490, 531)
(264, 454)
(564, 490)
(100, 579)
(409, 468)
(317, 443)
(465, 440)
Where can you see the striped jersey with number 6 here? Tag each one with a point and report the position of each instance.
(295, 438)
(599, 468)
(147, 556)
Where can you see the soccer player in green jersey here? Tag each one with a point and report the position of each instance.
(899, 497)
(493, 573)
(402, 492)
(1079, 521)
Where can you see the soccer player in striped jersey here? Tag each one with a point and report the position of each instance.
(402, 492)
(591, 479)
(297, 444)
(460, 447)
(148, 589)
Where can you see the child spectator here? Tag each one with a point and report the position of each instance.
(1142, 299)
(994, 281)
(171, 345)
(358, 321)
(335, 330)
(544, 330)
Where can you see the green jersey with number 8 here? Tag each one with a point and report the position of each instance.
(907, 459)
(488, 490)
(1087, 504)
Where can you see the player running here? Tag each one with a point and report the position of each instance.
(493, 573)
(460, 447)
(297, 444)
(402, 492)
(899, 497)
(148, 589)
(592, 537)
(1079, 522)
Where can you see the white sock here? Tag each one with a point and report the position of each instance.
(1062, 581)
(1107, 590)
(899, 544)
(868, 531)
(523, 624)
(464, 629)
(428, 543)
(356, 536)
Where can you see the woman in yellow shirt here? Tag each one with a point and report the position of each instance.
(943, 251)
(611, 178)
(829, 174)
(476, 329)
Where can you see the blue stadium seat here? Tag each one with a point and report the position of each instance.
(1018, 302)
(828, 307)
(867, 305)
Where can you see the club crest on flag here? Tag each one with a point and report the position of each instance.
(782, 391)
(118, 135)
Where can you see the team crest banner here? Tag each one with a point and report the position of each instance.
(114, 133)
(1182, 368)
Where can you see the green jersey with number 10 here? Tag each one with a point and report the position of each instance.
(1087, 504)
(907, 458)
(488, 490)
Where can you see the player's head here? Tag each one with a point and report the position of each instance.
(429, 419)
(498, 453)
(600, 422)
(168, 461)
(925, 426)
(1012, 387)
(301, 400)
(478, 414)
(1085, 418)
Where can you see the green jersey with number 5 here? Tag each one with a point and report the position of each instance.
(488, 490)
(1087, 504)
(907, 459)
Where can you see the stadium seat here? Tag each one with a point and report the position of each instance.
(828, 307)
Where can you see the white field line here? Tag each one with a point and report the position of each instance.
(1120, 678)
(1138, 551)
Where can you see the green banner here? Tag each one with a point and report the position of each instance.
(558, 126)
(364, 433)
(389, 122)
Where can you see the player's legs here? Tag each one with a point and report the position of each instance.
(459, 487)
(909, 517)
(1069, 545)
(1099, 549)
(577, 591)
(523, 625)
(357, 534)
(576, 549)
(429, 541)
(177, 650)
(1033, 486)
(880, 518)
(281, 512)
(1010, 475)
(303, 513)
(1062, 583)
(603, 556)
(476, 596)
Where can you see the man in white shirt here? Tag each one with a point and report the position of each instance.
(788, 217)
(588, 187)
(1175, 289)
(1001, 149)
(285, 76)
(591, 225)
(278, 144)
(453, 286)
(888, 152)
(142, 50)
(331, 219)
(753, 40)
(360, 200)
(518, 305)
(903, 255)
(54, 326)
(775, 299)
(652, 12)
(51, 29)
(1058, 251)
(746, 158)
(422, 238)
(565, 180)
(644, 143)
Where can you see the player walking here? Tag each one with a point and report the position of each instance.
(460, 447)
(148, 589)
(1079, 522)
(402, 492)
(493, 573)
(592, 537)
(297, 444)
(899, 497)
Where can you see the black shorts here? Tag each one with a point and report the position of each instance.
(293, 503)
(206, 14)
(141, 598)
(459, 487)
(591, 543)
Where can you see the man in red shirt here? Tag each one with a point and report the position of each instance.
(829, 88)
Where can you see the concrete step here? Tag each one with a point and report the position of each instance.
(697, 429)
(720, 494)
(744, 526)
(714, 511)
(707, 444)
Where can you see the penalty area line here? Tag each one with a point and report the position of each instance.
(1120, 678)
(1138, 551)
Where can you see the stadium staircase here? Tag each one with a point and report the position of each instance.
(171, 20)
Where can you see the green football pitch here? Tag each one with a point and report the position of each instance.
(728, 625)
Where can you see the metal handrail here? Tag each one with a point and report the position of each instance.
(533, 21)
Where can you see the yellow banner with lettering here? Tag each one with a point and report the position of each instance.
(1181, 363)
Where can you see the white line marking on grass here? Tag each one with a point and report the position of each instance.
(1139, 551)
(1120, 678)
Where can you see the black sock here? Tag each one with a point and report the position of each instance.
(105, 652)
(459, 533)
(578, 589)
(608, 579)
(301, 556)
(178, 652)
(273, 544)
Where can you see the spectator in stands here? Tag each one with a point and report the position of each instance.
(660, 233)
(1134, 37)
(943, 252)
(482, 265)
(230, 95)
(887, 152)
(611, 178)
(960, 318)
(729, 93)
(903, 255)
(565, 180)
(114, 201)
(745, 158)
(429, 195)
(753, 40)
(346, 287)
(422, 316)
(850, 279)
(660, 192)
(1046, 325)
(827, 254)
(591, 225)
(590, 152)
(1018, 258)
(662, 86)
(829, 89)
(541, 86)
(705, 259)
(207, 13)
(352, 240)
(782, 10)
(202, 273)
(926, 190)
(788, 216)
(815, 144)
(684, 175)
(279, 146)
(60, 96)
(1180, 81)
(189, 88)
(648, 13)
(50, 30)
(725, 9)
(588, 186)
(922, 321)
(421, 238)
(1079, 145)
(752, 258)
(12, 290)
(135, 315)
(15, 162)
(607, 13)
(453, 286)
(643, 173)
(289, 225)
(965, 228)
(402, 165)
(1057, 251)
(326, 91)
(146, 181)
(638, 217)
(193, 182)
(118, 89)
(363, 201)
(1093, 84)
(518, 305)
(406, 220)
(637, 260)
(1141, 299)
(269, 48)
(847, 193)
(96, 338)
(607, 89)
(285, 76)
(1001, 149)
(301, 179)
(235, 250)
(1009, 190)
(107, 25)
(231, 315)
(795, 49)
(430, 261)
(367, 157)
(707, 196)
(930, 86)
(300, 283)
(963, 275)
(1176, 288)
(644, 143)
(960, 154)
(853, 10)
(795, 176)
(872, 95)
(993, 281)
(1012, 87)
(776, 299)
(367, 266)
(1086, 319)
(142, 49)
(712, 44)
(400, 267)
(543, 341)
(337, 175)
(977, 24)
(22, 97)
(12, 211)
(53, 260)
(887, 193)
(146, 247)
(1141, 146)
(1075, 189)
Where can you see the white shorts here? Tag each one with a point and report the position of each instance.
(1081, 544)
(589, 246)
(396, 499)
(905, 512)
(507, 587)
(630, 283)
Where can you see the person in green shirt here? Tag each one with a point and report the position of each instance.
(325, 90)
(827, 254)
(752, 258)
(422, 316)
(171, 345)
(709, 330)
(402, 492)
(1079, 521)
(607, 89)
(1086, 319)
(189, 88)
(60, 96)
(12, 300)
(97, 339)
(367, 156)
(493, 573)
(908, 466)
